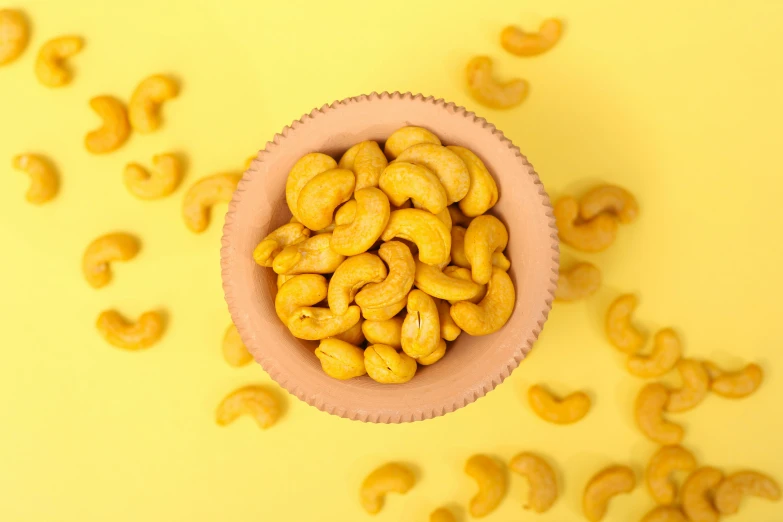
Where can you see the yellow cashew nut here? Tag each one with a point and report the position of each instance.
(385, 312)
(347, 211)
(492, 313)
(311, 256)
(424, 229)
(397, 284)
(486, 90)
(340, 359)
(120, 332)
(352, 275)
(256, 401)
(567, 410)
(203, 195)
(157, 184)
(621, 333)
(518, 42)
(389, 478)
(305, 169)
(313, 324)
(543, 482)
(594, 235)
(387, 332)
(319, 198)
(458, 257)
(145, 102)
(369, 215)
(435, 356)
(609, 198)
(352, 335)
(44, 181)
(115, 129)
(667, 460)
(386, 365)
(444, 163)
(648, 411)
(442, 515)
(438, 284)
(664, 356)
(349, 156)
(50, 65)
(457, 217)
(492, 485)
(14, 35)
(579, 282)
(448, 328)
(402, 181)
(735, 385)
(483, 192)
(421, 327)
(729, 492)
(695, 495)
(298, 292)
(368, 165)
(665, 514)
(282, 278)
(456, 272)
(695, 385)
(118, 246)
(234, 350)
(485, 236)
(407, 137)
(274, 243)
(604, 485)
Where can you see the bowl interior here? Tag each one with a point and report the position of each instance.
(472, 365)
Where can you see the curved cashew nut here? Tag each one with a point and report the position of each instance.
(604, 485)
(483, 192)
(389, 478)
(386, 365)
(311, 256)
(349, 156)
(407, 137)
(665, 514)
(122, 333)
(298, 292)
(567, 410)
(621, 333)
(256, 401)
(145, 102)
(350, 276)
(730, 491)
(435, 356)
(594, 235)
(444, 163)
(457, 217)
(118, 246)
(458, 257)
(648, 411)
(542, 479)
(234, 350)
(438, 284)
(486, 90)
(305, 169)
(421, 328)
(203, 195)
(518, 42)
(491, 480)
(456, 272)
(274, 243)
(50, 64)
(579, 282)
(387, 332)
(340, 359)
(44, 181)
(115, 129)
(319, 198)
(402, 181)
(445, 217)
(609, 198)
(397, 284)
(352, 335)
(664, 356)
(695, 384)
(695, 494)
(485, 236)
(667, 460)
(385, 312)
(448, 328)
(428, 232)
(313, 324)
(157, 184)
(282, 278)
(14, 35)
(492, 312)
(368, 165)
(735, 385)
(442, 515)
(370, 217)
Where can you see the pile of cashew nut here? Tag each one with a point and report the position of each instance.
(402, 274)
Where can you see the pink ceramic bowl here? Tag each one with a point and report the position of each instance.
(473, 365)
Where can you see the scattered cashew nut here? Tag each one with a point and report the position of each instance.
(488, 91)
(491, 480)
(483, 192)
(541, 477)
(485, 236)
(255, 401)
(350, 277)
(340, 359)
(609, 199)
(518, 42)
(444, 163)
(234, 350)
(667, 460)
(44, 181)
(735, 385)
(492, 313)
(567, 410)
(311, 256)
(118, 246)
(203, 195)
(578, 282)
(664, 356)
(145, 102)
(695, 385)
(730, 491)
(696, 492)
(619, 329)
(14, 35)
(389, 478)
(442, 514)
(594, 235)
(50, 64)
(665, 514)
(115, 128)
(121, 333)
(648, 411)
(320, 196)
(159, 183)
(386, 365)
(407, 137)
(604, 485)
(369, 215)
(274, 243)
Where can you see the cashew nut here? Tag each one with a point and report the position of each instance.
(386, 365)
(14, 35)
(352, 275)
(402, 181)
(203, 195)
(648, 411)
(594, 235)
(696, 492)
(256, 401)
(457, 217)
(387, 332)
(118, 246)
(122, 333)
(274, 243)
(571, 408)
(448, 328)
(352, 335)
(695, 384)
(389, 478)
(298, 292)
(444, 163)
(456, 272)
(729, 492)
(435, 356)
(407, 137)
(665, 514)
(44, 181)
(492, 485)
(421, 328)
(666, 461)
(459, 258)
(385, 312)
(621, 333)
(320, 196)
(305, 169)
(541, 477)
(368, 165)
(145, 102)
(518, 42)
(157, 184)
(428, 232)
(609, 199)
(234, 350)
(492, 312)
(735, 385)
(348, 158)
(50, 65)
(115, 128)
(664, 356)
(282, 278)
(438, 284)
(485, 236)
(397, 284)
(313, 324)
(483, 192)
(442, 515)
(579, 282)
(490, 92)
(340, 359)
(604, 485)
(370, 217)
(311, 256)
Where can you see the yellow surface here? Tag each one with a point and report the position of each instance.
(681, 102)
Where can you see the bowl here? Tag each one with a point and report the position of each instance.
(473, 366)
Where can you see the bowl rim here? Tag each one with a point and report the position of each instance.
(467, 396)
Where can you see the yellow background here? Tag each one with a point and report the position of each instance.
(681, 102)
